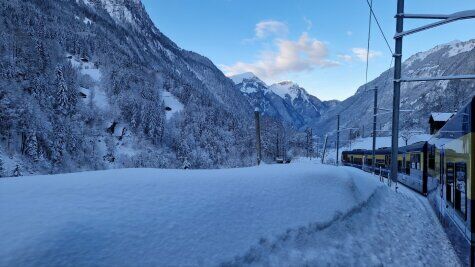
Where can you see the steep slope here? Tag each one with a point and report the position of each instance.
(285, 101)
(105, 88)
(422, 97)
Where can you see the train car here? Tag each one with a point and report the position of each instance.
(354, 158)
(443, 169)
(412, 166)
(450, 179)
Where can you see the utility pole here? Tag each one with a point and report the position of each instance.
(337, 138)
(258, 135)
(309, 142)
(324, 148)
(397, 89)
(400, 33)
(375, 113)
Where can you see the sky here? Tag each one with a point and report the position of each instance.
(319, 44)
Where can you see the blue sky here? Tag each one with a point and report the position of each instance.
(319, 44)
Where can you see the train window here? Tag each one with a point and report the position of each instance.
(416, 161)
(449, 183)
(399, 166)
(460, 196)
(408, 166)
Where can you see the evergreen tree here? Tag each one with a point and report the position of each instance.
(31, 148)
(2, 167)
(17, 171)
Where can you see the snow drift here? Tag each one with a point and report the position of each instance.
(151, 217)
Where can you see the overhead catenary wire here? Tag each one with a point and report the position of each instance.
(370, 4)
(369, 42)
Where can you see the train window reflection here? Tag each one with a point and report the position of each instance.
(460, 188)
(449, 182)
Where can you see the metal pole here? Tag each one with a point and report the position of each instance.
(375, 113)
(324, 148)
(397, 89)
(258, 135)
(337, 138)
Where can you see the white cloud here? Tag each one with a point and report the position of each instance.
(361, 53)
(303, 54)
(267, 28)
(349, 33)
(346, 58)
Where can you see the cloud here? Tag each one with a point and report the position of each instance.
(349, 33)
(346, 58)
(361, 53)
(309, 23)
(303, 54)
(268, 28)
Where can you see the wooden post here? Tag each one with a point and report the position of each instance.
(324, 148)
(337, 138)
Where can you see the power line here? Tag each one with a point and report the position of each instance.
(369, 41)
(379, 25)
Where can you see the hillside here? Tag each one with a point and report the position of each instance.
(105, 88)
(422, 97)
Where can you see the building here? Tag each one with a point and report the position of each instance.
(437, 120)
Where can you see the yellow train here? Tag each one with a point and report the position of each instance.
(442, 169)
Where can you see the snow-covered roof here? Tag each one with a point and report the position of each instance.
(440, 116)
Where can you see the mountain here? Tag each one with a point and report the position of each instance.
(286, 101)
(93, 84)
(423, 98)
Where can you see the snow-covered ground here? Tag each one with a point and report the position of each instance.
(171, 102)
(273, 214)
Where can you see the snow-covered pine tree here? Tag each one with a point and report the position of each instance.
(17, 171)
(2, 167)
(31, 148)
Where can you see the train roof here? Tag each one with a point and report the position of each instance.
(419, 146)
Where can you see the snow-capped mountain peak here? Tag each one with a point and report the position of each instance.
(239, 78)
(284, 100)
(288, 88)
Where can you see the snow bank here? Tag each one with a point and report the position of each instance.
(151, 217)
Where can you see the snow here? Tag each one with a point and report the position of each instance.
(166, 217)
(460, 47)
(391, 229)
(87, 21)
(285, 88)
(439, 116)
(239, 78)
(284, 215)
(423, 55)
(172, 102)
(99, 96)
(86, 68)
(249, 89)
